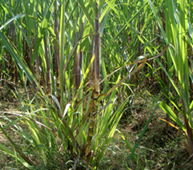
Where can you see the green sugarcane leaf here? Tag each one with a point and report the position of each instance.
(12, 154)
(172, 115)
(12, 19)
(111, 5)
(85, 10)
(143, 132)
(16, 57)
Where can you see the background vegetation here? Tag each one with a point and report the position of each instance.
(90, 81)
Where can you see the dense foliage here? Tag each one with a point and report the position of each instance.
(80, 63)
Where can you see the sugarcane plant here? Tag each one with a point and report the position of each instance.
(68, 117)
(73, 56)
(176, 35)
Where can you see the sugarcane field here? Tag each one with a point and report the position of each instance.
(96, 85)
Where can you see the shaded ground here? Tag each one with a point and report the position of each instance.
(162, 147)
